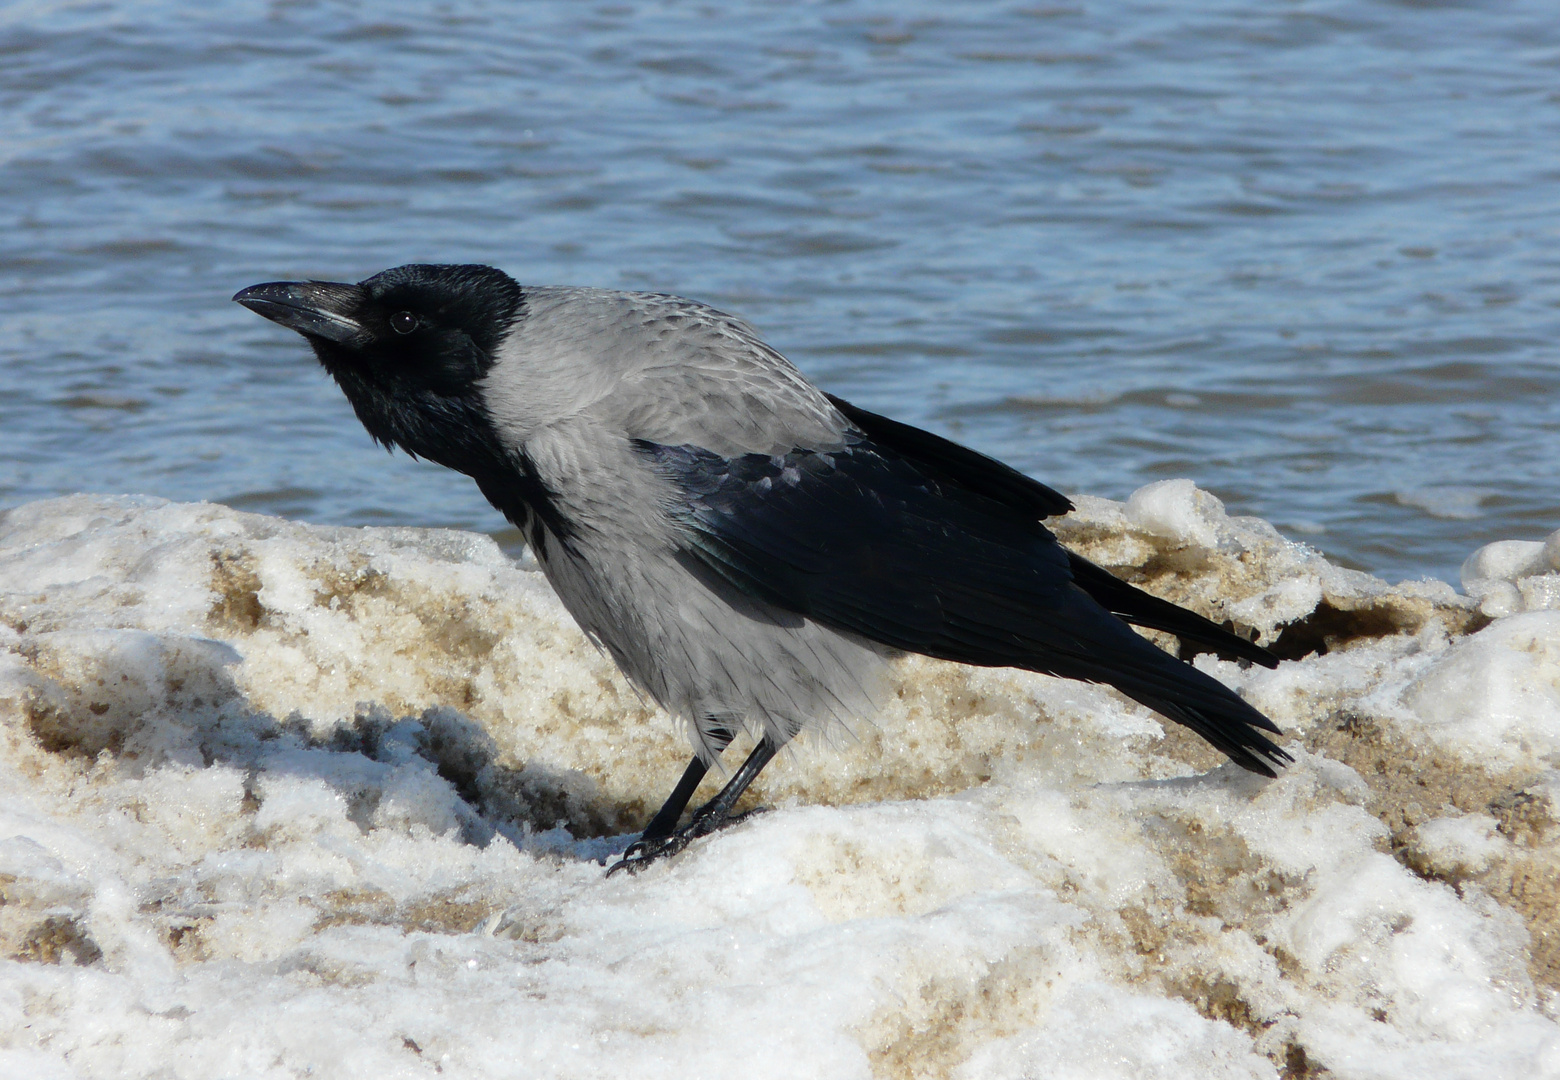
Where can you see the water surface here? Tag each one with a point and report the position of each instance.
(1303, 253)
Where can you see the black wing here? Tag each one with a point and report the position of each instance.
(949, 463)
(955, 466)
(866, 541)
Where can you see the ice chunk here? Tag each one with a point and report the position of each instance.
(1102, 1032)
(1504, 560)
(1495, 697)
(1178, 510)
(1511, 576)
(1461, 843)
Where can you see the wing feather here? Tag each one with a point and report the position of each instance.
(866, 541)
(962, 469)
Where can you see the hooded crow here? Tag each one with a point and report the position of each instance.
(748, 548)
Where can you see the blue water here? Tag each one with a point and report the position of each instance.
(1304, 253)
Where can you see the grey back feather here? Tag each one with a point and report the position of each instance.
(654, 367)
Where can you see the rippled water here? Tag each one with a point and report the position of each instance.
(1304, 253)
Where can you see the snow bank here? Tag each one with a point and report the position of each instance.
(278, 800)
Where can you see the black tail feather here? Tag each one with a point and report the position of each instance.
(1182, 693)
(1141, 609)
(1235, 736)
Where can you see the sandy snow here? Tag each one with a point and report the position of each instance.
(278, 800)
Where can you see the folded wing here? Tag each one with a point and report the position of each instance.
(921, 558)
(1008, 490)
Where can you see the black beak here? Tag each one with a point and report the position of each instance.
(318, 309)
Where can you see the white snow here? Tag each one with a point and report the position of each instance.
(1495, 696)
(278, 800)
(1511, 576)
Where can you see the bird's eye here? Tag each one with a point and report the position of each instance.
(403, 322)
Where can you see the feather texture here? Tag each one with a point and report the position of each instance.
(862, 540)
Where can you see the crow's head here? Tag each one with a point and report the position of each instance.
(408, 346)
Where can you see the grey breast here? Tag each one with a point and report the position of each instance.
(588, 380)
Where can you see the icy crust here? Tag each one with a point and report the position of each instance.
(1512, 576)
(279, 800)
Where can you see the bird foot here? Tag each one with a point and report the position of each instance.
(641, 853)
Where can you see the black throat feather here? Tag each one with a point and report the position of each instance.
(434, 409)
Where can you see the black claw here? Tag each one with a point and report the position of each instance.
(704, 823)
(654, 843)
(641, 853)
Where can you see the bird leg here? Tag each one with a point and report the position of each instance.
(664, 824)
(665, 821)
(714, 815)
